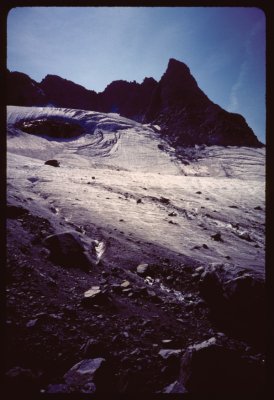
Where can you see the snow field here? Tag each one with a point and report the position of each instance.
(116, 176)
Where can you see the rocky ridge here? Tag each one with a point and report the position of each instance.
(175, 103)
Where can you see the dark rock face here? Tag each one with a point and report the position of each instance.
(188, 117)
(237, 300)
(51, 127)
(218, 366)
(176, 103)
(53, 163)
(23, 379)
(64, 93)
(129, 99)
(14, 212)
(24, 91)
(67, 250)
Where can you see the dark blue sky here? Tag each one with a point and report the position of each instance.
(224, 48)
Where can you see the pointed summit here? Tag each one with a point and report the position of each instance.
(174, 65)
(188, 117)
(177, 88)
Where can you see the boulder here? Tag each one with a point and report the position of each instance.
(83, 372)
(217, 237)
(236, 299)
(67, 250)
(125, 284)
(96, 296)
(53, 163)
(245, 236)
(170, 353)
(142, 269)
(217, 366)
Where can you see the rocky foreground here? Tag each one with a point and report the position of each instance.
(132, 267)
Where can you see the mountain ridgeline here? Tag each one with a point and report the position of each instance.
(175, 103)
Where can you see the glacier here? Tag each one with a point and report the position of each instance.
(216, 189)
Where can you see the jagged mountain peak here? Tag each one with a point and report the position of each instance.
(51, 78)
(174, 64)
(176, 103)
(149, 80)
(188, 117)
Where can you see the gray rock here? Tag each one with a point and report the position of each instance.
(58, 388)
(142, 269)
(175, 387)
(169, 353)
(166, 341)
(31, 323)
(125, 284)
(199, 270)
(245, 236)
(96, 296)
(67, 250)
(81, 375)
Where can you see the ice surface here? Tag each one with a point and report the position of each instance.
(116, 162)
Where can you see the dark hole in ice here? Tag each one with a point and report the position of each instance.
(51, 127)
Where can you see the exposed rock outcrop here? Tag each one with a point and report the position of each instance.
(51, 127)
(188, 117)
(80, 378)
(66, 249)
(218, 365)
(24, 91)
(65, 93)
(236, 299)
(129, 99)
